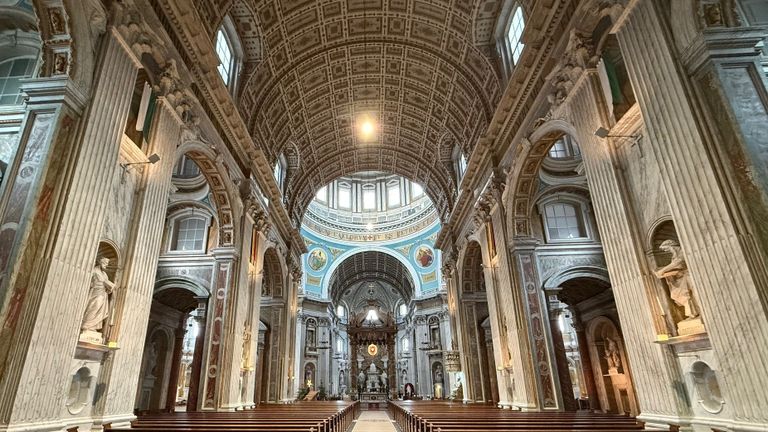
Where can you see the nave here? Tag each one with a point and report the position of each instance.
(408, 416)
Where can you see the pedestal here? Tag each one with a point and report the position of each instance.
(691, 326)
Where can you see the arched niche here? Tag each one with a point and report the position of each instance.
(708, 392)
(472, 274)
(78, 396)
(273, 281)
(610, 367)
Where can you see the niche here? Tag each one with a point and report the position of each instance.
(79, 388)
(707, 387)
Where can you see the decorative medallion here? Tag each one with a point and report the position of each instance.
(373, 350)
(424, 256)
(317, 259)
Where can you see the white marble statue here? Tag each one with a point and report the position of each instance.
(97, 310)
(612, 354)
(384, 379)
(676, 275)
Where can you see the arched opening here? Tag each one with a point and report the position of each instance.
(271, 345)
(170, 374)
(610, 367)
(478, 353)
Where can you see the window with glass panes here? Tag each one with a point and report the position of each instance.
(416, 190)
(345, 196)
(186, 168)
(190, 234)
(11, 73)
(224, 52)
(393, 195)
(322, 194)
(564, 148)
(515, 29)
(369, 199)
(563, 221)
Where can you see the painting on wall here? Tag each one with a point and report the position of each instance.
(424, 256)
(317, 259)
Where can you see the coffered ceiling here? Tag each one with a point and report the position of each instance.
(383, 275)
(313, 67)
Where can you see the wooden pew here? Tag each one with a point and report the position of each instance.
(433, 416)
(312, 416)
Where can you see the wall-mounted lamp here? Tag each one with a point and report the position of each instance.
(152, 159)
(602, 132)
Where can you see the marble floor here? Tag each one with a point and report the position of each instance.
(374, 421)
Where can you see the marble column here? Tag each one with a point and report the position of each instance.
(54, 283)
(195, 378)
(716, 234)
(654, 370)
(173, 382)
(586, 362)
(217, 382)
(518, 381)
(255, 276)
(561, 360)
(132, 304)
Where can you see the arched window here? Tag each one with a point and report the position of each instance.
(230, 53)
(403, 309)
(186, 168)
(563, 221)
(339, 345)
(280, 166)
(564, 148)
(340, 311)
(12, 71)
(509, 35)
(459, 163)
(189, 234)
(406, 345)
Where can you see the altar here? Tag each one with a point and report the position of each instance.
(373, 400)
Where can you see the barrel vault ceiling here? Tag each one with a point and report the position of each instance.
(420, 69)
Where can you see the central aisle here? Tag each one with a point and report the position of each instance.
(374, 421)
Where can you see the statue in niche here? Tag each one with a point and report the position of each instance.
(151, 359)
(98, 307)
(612, 354)
(247, 334)
(384, 379)
(361, 381)
(676, 275)
(439, 374)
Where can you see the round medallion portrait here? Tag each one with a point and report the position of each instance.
(317, 259)
(424, 256)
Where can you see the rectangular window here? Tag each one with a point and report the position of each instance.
(416, 190)
(369, 199)
(393, 195)
(345, 197)
(563, 222)
(190, 234)
(514, 35)
(11, 74)
(224, 51)
(322, 194)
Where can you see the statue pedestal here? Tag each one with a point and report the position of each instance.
(689, 327)
(92, 337)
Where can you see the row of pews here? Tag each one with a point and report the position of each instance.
(436, 416)
(314, 416)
